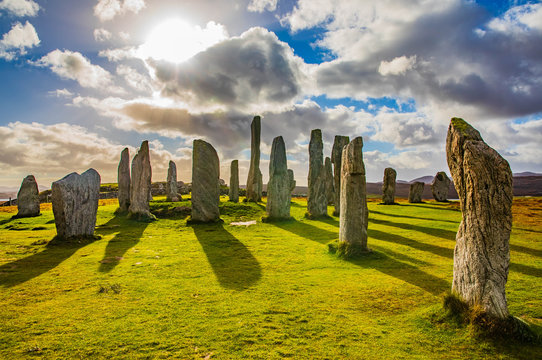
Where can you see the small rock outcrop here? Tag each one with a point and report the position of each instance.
(336, 157)
(278, 188)
(388, 186)
(75, 203)
(234, 181)
(292, 180)
(28, 199)
(415, 192)
(205, 183)
(483, 180)
(440, 186)
(316, 193)
(254, 180)
(354, 212)
(140, 186)
(330, 190)
(123, 179)
(172, 192)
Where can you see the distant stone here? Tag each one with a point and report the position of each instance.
(330, 190)
(205, 183)
(354, 212)
(254, 181)
(75, 204)
(440, 186)
(140, 187)
(234, 181)
(123, 179)
(292, 180)
(483, 180)
(336, 158)
(28, 200)
(278, 188)
(416, 191)
(316, 193)
(388, 186)
(172, 192)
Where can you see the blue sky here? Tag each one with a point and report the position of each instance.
(81, 80)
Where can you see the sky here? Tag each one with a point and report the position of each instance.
(81, 80)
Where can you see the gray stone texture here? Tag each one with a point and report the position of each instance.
(140, 186)
(28, 200)
(336, 157)
(234, 181)
(205, 183)
(292, 180)
(278, 188)
(123, 179)
(415, 192)
(388, 186)
(75, 203)
(316, 193)
(483, 180)
(254, 180)
(440, 186)
(330, 190)
(172, 192)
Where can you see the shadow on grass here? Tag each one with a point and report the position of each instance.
(6, 221)
(128, 234)
(308, 231)
(526, 250)
(441, 233)
(412, 217)
(398, 239)
(526, 270)
(399, 256)
(436, 206)
(233, 264)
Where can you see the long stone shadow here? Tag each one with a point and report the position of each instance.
(307, 231)
(233, 264)
(526, 269)
(412, 217)
(128, 234)
(402, 271)
(440, 206)
(399, 256)
(526, 250)
(441, 233)
(25, 269)
(398, 239)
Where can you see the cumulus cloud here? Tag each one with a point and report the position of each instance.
(107, 9)
(262, 5)
(119, 54)
(101, 35)
(397, 66)
(61, 93)
(521, 18)
(16, 42)
(133, 78)
(20, 7)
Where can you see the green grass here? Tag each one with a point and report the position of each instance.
(268, 291)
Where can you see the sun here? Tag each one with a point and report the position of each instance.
(176, 41)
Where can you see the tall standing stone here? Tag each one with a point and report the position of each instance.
(205, 183)
(316, 196)
(483, 181)
(28, 199)
(75, 203)
(140, 186)
(123, 179)
(354, 212)
(388, 186)
(254, 181)
(330, 190)
(234, 181)
(415, 192)
(440, 186)
(278, 188)
(336, 157)
(171, 184)
(292, 180)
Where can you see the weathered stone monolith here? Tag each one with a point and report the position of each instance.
(336, 157)
(205, 183)
(316, 193)
(254, 180)
(140, 186)
(234, 181)
(278, 188)
(292, 180)
(388, 186)
(28, 200)
(415, 192)
(330, 189)
(440, 186)
(75, 203)
(483, 181)
(172, 192)
(354, 212)
(123, 179)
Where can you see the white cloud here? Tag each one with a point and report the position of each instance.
(18, 40)
(135, 79)
(101, 35)
(262, 5)
(61, 93)
(107, 9)
(124, 35)
(119, 53)
(519, 19)
(20, 7)
(397, 66)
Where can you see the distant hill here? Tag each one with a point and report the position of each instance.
(526, 173)
(428, 179)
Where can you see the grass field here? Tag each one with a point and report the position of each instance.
(268, 291)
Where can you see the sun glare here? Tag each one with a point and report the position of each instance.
(176, 41)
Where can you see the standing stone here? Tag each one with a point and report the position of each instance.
(28, 200)
(330, 191)
(75, 203)
(316, 196)
(205, 183)
(388, 186)
(483, 180)
(123, 179)
(292, 180)
(415, 192)
(440, 186)
(278, 188)
(354, 212)
(336, 157)
(234, 181)
(171, 184)
(140, 186)
(254, 181)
